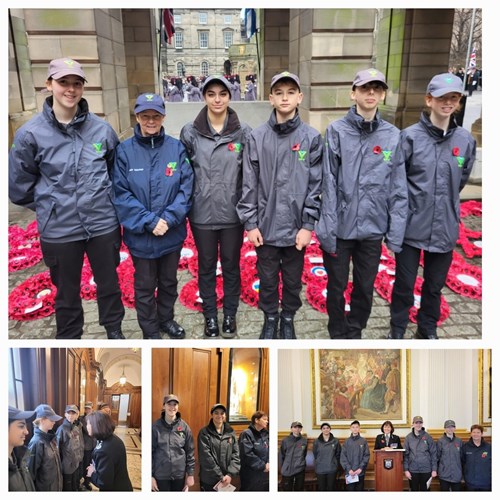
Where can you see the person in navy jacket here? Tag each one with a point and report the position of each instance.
(387, 439)
(153, 183)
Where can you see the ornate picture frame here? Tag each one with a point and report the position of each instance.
(484, 390)
(370, 385)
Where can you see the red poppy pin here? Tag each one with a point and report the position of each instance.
(296, 147)
(456, 151)
(179, 428)
(377, 150)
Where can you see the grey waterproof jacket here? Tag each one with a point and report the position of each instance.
(364, 192)
(449, 458)
(420, 453)
(281, 180)
(438, 165)
(63, 172)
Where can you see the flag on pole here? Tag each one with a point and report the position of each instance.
(250, 22)
(472, 60)
(168, 25)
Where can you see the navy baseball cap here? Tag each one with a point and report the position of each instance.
(45, 411)
(285, 75)
(445, 83)
(16, 414)
(218, 406)
(149, 101)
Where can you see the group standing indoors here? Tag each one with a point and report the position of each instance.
(280, 203)
(326, 451)
(363, 201)
(254, 454)
(19, 475)
(218, 452)
(215, 142)
(153, 184)
(108, 468)
(44, 461)
(438, 156)
(172, 446)
(60, 166)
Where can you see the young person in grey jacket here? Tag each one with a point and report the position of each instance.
(280, 202)
(326, 451)
(354, 459)
(439, 156)
(218, 451)
(292, 458)
(60, 166)
(449, 449)
(215, 142)
(420, 456)
(364, 200)
(172, 449)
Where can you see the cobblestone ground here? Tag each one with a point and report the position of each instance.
(464, 321)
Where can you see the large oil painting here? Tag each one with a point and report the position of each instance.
(484, 376)
(369, 385)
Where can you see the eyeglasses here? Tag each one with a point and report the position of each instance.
(150, 118)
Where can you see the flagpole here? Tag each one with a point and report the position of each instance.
(467, 62)
(160, 80)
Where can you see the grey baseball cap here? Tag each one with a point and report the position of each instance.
(449, 423)
(367, 76)
(71, 408)
(284, 75)
(170, 397)
(16, 414)
(216, 79)
(218, 406)
(64, 67)
(296, 424)
(445, 83)
(45, 411)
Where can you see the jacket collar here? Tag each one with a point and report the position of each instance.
(436, 132)
(201, 122)
(81, 114)
(287, 127)
(357, 121)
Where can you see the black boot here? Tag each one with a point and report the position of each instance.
(287, 329)
(211, 327)
(115, 334)
(270, 328)
(173, 329)
(228, 327)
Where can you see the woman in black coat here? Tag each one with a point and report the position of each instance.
(108, 469)
(387, 439)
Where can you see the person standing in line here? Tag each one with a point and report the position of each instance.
(215, 142)
(280, 202)
(363, 201)
(254, 454)
(387, 439)
(326, 451)
(19, 475)
(419, 457)
(172, 449)
(44, 461)
(449, 449)
(108, 468)
(354, 459)
(250, 90)
(218, 451)
(439, 156)
(476, 461)
(60, 165)
(89, 444)
(292, 459)
(70, 442)
(153, 184)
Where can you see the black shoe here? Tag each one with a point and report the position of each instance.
(425, 336)
(395, 335)
(228, 327)
(115, 334)
(287, 329)
(211, 327)
(173, 329)
(152, 336)
(270, 327)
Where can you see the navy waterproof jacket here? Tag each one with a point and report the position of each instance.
(254, 455)
(153, 179)
(438, 165)
(476, 461)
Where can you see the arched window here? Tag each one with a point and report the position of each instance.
(180, 69)
(204, 68)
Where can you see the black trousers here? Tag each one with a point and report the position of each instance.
(326, 482)
(365, 256)
(449, 486)
(295, 482)
(271, 261)
(436, 266)
(211, 243)
(71, 482)
(87, 458)
(358, 486)
(170, 484)
(65, 262)
(418, 481)
(158, 275)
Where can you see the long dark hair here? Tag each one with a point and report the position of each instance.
(102, 425)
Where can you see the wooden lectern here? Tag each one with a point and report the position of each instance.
(389, 470)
